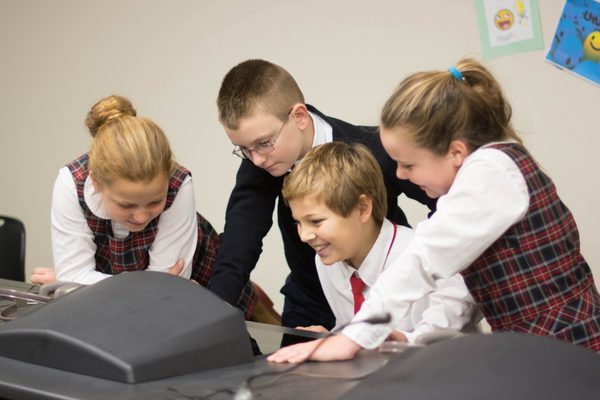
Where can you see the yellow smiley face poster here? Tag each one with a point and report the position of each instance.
(508, 26)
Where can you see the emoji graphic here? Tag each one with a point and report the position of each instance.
(591, 47)
(504, 19)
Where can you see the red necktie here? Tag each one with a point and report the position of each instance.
(357, 291)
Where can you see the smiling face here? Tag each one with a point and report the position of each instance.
(504, 19)
(333, 237)
(591, 47)
(289, 142)
(432, 173)
(134, 204)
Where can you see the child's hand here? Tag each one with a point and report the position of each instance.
(177, 268)
(313, 328)
(333, 348)
(43, 275)
(397, 336)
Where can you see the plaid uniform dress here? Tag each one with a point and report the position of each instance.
(533, 279)
(115, 255)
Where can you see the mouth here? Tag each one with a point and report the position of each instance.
(136, 225)
(320, 248)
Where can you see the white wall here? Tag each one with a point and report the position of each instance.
(58, 57)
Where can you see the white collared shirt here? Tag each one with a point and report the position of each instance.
(73, 244)
(447, 306)
(323, 131)
(488, 195)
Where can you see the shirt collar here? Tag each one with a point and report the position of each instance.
(93, 199)
(373, 264)
(323, 131)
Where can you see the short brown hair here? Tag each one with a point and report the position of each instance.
(339, 173)
(254, 83)
(439, 108)
(125, 145)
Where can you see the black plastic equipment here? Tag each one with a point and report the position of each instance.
(131, 327)
(12, 249)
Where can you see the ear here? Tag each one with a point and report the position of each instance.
(365, 207)
(458, 151)
(300, 116)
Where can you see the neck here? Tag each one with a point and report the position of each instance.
(369, 236)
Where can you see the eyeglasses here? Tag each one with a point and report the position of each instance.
(261, 148)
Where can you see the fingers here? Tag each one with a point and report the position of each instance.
(397, 336)
(177, 268)
(293, 354)
(313, 328)
(43, 275)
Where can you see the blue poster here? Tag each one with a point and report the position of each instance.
(576, 43)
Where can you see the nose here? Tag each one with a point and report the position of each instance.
(259, 159)
(401, 172)
(306, 234)
(141, 216)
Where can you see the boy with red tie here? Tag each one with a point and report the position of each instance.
(338, 200)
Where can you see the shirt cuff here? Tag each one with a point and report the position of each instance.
(367, 336)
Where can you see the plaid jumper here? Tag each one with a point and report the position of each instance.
(533, 279)
(115, 255)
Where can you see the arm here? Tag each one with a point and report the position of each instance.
(487, 197)
(248, 218)
(450, 306)
(177, 233)
(333, 348)
(73, 244)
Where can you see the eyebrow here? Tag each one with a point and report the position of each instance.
(127, 203)
(262, 139)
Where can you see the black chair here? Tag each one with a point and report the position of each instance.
(12, 249)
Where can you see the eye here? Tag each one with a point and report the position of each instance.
(263, 145)
(126, 206)
(316, 222)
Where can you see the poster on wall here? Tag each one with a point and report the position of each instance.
(576, 43)
(508, 26)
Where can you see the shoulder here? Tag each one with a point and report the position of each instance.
(180, 183)
(491, 156)
(79, 168)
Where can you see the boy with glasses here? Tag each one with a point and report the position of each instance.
(263, 112)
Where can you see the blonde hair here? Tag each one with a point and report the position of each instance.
(439, 107)
(256, 83)
(124, 145)
(339, 173)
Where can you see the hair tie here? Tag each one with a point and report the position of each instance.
(456, 73)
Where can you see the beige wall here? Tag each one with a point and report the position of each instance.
(58, 57)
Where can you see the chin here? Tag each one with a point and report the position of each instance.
(136, 228)
(433, 195)
(277, 172)
(328, 261)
